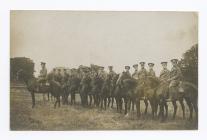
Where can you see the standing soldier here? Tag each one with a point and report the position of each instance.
(142, 74)
(175, 74)
(135, 74)
(165, 73)
(151, 72)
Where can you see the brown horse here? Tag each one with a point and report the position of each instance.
(165, 94)
(146, 91)
(190, 94)
(125, 91)
(54, 88)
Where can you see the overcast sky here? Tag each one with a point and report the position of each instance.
(72, 38)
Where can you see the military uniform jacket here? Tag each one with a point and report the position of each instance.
(111, 74)
(43, 73)
(135, 74)
(58, 78)
(65, 77)
(142, 74)
(151, 73)
(102, 75)
(124, 75)
(175, 73)
(164, 75)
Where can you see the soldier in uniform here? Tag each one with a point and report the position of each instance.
(43, 74)
(65, 76)
(51, 75)
(142, 74)
(58, 77)
(175, 74)
(151, 72)
(101, 73)
(126, 73)
(135, 74)
(165, 73)
(111, 73)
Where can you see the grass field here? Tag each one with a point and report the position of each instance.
(67, 117)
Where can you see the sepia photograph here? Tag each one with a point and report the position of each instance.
(103, 70)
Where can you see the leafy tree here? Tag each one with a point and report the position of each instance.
(21, 68)
(189, 64)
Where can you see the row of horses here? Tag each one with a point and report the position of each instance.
(129, 93)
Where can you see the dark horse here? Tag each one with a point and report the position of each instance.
(125, 91)
(190, 94)
(146, 91)
(54, 88)
(33, 85)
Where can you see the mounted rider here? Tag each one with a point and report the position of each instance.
(42, 76)
(151, 72)
(65, 76)
(58, 77)
(126, 74)
(175, 76)
(101, 73)
(142, 74)
(111, 73)
(51, 75)
(135, 74)
(165, 73)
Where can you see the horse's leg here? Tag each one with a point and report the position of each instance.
(109, 101)
(155, 107)
(195, 106)
(126, 101)
(55, 102)
(71, 98)
(33, 99)
(58, 101)
(90, 100)
(161, 113)
(48, 96)
(112, 102)
(43, 95)
(152, 107)
(105, 99)
(133, 104)
(74, 99)
(138, 107)
(117, 104)
(182, 106)
(146, 106)
(190, 108)
(166, 109)
(175, 108)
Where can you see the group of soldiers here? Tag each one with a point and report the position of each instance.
(173, 76)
